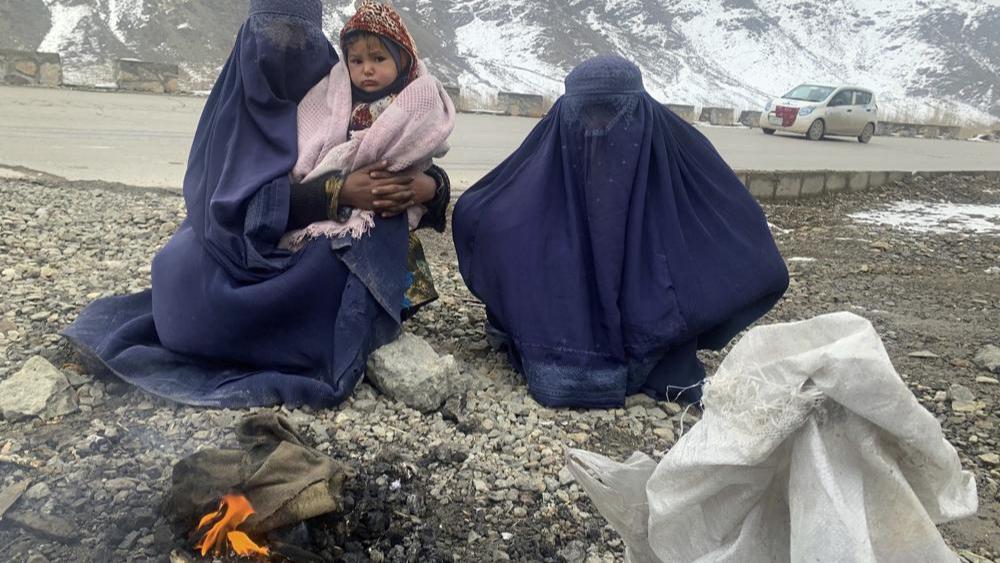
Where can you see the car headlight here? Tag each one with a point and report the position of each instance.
(768, 106)
(806, 110)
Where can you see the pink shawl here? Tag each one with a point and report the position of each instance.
(411, 131)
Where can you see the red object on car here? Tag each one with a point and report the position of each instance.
(787, 115)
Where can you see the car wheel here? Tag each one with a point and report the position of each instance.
(767, 131)
(867, 134)
(816, 131)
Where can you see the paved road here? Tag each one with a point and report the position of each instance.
(144, 140)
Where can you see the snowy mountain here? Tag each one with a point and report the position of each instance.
(926, 58)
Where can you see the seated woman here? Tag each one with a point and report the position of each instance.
(612, 245)
(232, 319)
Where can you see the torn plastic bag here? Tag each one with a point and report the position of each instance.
(811, 449)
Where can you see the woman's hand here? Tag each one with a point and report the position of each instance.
(359, 187)
(375, 188)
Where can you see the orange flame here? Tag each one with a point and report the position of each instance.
(233, 511)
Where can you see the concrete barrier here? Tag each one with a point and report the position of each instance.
(686, 113)
(455, 93)
(717, 116)
(897, 129)
(950, 131)
(795, 184)
(29, 68)
(750, 118)
(526, 105)
(142, 76)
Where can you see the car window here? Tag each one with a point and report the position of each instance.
(862, 98)
(842, 98)
(809, 93)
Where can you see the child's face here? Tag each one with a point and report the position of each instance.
(370, 65)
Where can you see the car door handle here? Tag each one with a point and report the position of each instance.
(850, 110)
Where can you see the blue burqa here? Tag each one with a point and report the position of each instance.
(231, 320)
(612, 245)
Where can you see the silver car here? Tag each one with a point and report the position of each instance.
(817, 111)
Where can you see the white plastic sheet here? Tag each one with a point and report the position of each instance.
(811, 449)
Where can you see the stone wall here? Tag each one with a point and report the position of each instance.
(141, 76)
(526, 105)
(686, 113)
(750, 118)
(717, 116)
(28, 68)
(771, 185)
(896, 129)
(455, 93)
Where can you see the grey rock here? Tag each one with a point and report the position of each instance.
(989, 358)
(640, 399)
(574, 552)
(410, 371)
(454, 408)
(38, 491)
(37, 390)
(44, 525)
(11, 494)
(961, 394)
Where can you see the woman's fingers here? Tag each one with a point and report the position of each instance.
(393, 191)
(381, 166)
(394, 199)
(397, 209)
(389, 178)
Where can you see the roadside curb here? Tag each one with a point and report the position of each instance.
(771, 185)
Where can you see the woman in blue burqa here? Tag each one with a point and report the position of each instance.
(614, 244)
(232, 320)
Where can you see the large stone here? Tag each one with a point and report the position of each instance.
(45, 525)
(16, 80)
(961, 393)
(717, 116)
(28, 68)
(38, 390)
(50, 75)
(147, 86)
(527, 105)
(685, 112)
(989, 358)
(410, 371)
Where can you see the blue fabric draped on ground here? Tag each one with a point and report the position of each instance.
(613, 244)
(231, 320)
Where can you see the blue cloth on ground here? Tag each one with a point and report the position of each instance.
(613, 244)
(231, 320)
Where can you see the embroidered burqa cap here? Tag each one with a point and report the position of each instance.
(614, 243)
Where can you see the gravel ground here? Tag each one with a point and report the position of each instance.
(483, 481)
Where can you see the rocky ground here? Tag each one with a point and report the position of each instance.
(480, 481)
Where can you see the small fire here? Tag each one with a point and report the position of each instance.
(233, 511)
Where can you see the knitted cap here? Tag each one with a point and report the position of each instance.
(309, 10)
(382, 20)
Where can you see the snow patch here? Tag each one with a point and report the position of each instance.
(935, 217)
(65, 30)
